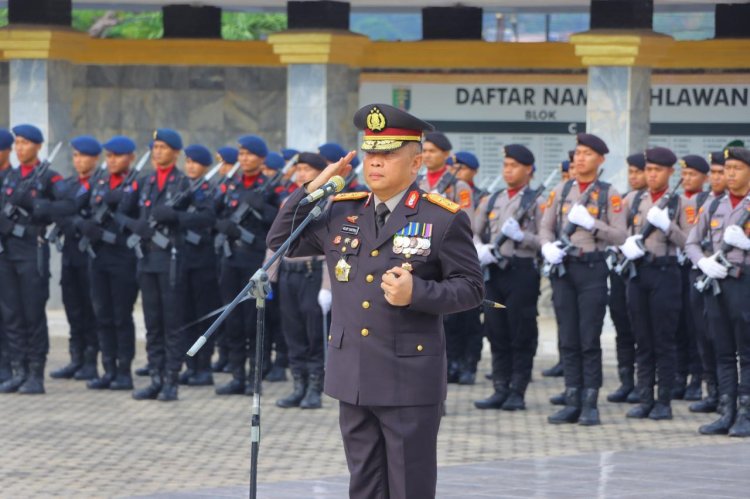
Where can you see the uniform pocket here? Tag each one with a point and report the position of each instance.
(335, 336)
(418, 344)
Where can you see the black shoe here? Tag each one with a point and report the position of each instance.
(185, 376)
(313, 393)
(151, 391)
(514, 402)
(5, 371)
(722, 425)
(741, 426)
(693, 391)
(662, 408)
(276, 374)
(572, 410)
(555, 371)
(589, 410)
(105, 380)
(34, 384)
(711, 402)
(467, 377)
(453, 372)
(626, 386)
(633, 397)
(201, 378)
(168, 392)
(68, 371)
(680, 385)
(222, 361)
(143, 371)
(236, 385)
(646, 404)
(123, 380)
(298, 392)
(558, 399)
(88, 369)
(19, 377)
(497, 399)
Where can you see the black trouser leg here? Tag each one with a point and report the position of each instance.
(302, 319)
(702, 336)
(240, 325)
(273, 326)
(200, 296)
(618, 310)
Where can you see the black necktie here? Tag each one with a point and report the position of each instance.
(381, 212)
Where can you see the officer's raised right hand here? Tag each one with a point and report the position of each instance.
(337, 168)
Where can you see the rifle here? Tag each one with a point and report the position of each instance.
(519, 215)
(704, 282)
(104, 212)
(448, 181)
(158, 237)
(625, 265)
(278, 178)
(570, 228)
(221, 241)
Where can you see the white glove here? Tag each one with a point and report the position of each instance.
(552, 252)
(631, 249)
(512, 230)
(579, 215)
(712, 268)
(659, 218)
(324, 300)
(484, 251)
(735, 236)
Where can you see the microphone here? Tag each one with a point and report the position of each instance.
(336, 184)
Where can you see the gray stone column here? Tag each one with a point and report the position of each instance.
(617, 110)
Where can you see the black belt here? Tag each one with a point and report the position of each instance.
(304, 267)
(657, 261)
(590, 257)
(517, 261)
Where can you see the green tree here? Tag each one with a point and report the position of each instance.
(250, 26)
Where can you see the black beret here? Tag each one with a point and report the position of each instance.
(313, 159)
(387, 128)
(440, 140)
(467, 159)
(571, 154)
(738, 153)
(695, 162)
(519, 153)
(638, 160)
(716, 158)
(661, 156)
(593, 142)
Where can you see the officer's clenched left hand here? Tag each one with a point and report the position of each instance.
(397, 285)
(659, 218)
(580, 216)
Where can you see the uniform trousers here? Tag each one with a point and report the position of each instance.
(114, 289)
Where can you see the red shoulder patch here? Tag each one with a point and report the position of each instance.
(55, 179)
(616, 203)
(223, 188)
(412, 199)
(464, 199)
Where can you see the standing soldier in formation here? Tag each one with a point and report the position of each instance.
(513, 278)
(574, 237)
(302, 318)
(6, 143)
(24, 262)
(705, 201)
(618, 304)
(246, 212)
(466, 169)
(725, 260)
(657, 234)
(83, 344)
(114, 286)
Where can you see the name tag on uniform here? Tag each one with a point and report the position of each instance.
(350, 229)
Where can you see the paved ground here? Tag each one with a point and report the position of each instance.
(76, 443)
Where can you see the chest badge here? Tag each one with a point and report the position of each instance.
(342, 270)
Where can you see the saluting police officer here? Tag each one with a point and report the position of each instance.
(579, 274)
(24, 262)
(618, 304)
(386, 351)
(654, 289)
(726, 311)
(246, 212)
(6, 142)
(114, 286)
(513, 278)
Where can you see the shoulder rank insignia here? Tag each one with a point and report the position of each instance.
(442, 202)
(350, 196)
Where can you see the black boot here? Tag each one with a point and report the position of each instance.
(515, 401)
(68, 371)
(236, 385)
(680, 385)
(276, 374)
(5, 371)
(555, 371)
(222, 361)
(572, 410)
(558, 399)
(184, 376)
(204, 377)
(728, 406)
(151, 391)
(454, 370)
(633, 397)
(468, 373)
(497, 399)
(589, 409)
(662, 408)
(641, 411)
(88, 369)
(19, 376)
(314, 390)
(124, 379)
(104, 381)
(741, 426)
(693, 390)
(626, 386)
(299, 380)
(34, 384)
(143, 371)
(168, 392)
(711, 402)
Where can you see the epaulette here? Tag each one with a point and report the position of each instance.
(442, 202)
(350, 196)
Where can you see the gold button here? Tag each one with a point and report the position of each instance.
(329, 337)
(365, 332)
(370, 278)
(374, 253)
(420, 348)
(365, 304)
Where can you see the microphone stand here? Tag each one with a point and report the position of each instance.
(257, 288)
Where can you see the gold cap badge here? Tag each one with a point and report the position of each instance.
(376, 120)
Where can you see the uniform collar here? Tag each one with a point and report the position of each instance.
(391, 203)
